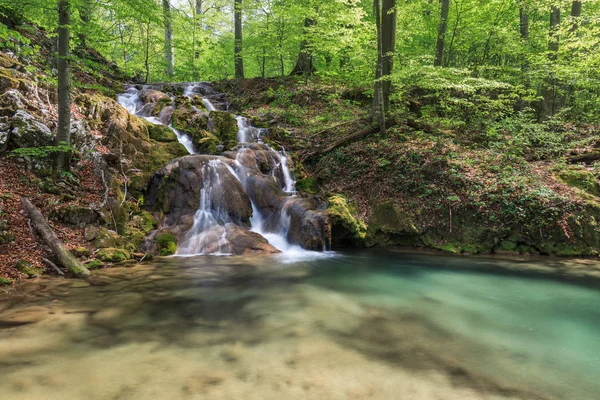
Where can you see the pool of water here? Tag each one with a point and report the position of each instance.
(366, 325)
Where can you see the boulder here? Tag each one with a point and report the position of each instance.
(28, 131)
(75, 215)
(82, 138)
(4, 133)
(152, 96)
(309, 224)
(225, 127)
(175, 189)
(243, 241)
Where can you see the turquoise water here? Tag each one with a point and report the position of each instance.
(363, 325)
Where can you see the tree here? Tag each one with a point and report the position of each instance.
(575, 14)
(168, 23)
(551, 99)
(237, 56)
(385, 20)
(441, 37)
(304, 62)
(63, 134)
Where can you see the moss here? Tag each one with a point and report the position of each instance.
(342, 217)
(94, 264)
(308, 185)
(5, 281)
(81, 251)
(205, 142)
(225, 128)
(28, 268)
(7, 80)
(508, 245)
(581, 179)
(161, 133)
(113, 255)
(166, 244)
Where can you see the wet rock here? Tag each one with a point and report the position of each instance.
(166, 243)
(161, 133)
(225, 127)
(153, 96)
(243, 241)
(175, 189)
(28, 131)
(4, 133)
(309, 227)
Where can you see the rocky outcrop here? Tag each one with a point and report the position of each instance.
(27, 131)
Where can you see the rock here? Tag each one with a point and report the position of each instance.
(175, 189)
(75, 215)
(104, 238)
(309, 227)
(4, 133)
(243, 241)
(225, 128)
(113, 255)
(152, 96)
(29, 132)
(205, 142)
(161, 133)
(94, 264)
(166, 244)
(8, 80)
(28, 268)
(11, 101)
(82, 138)
(345, 225)
(81, 251)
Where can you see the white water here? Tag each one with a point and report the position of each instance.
(130, 101)
(208, 234)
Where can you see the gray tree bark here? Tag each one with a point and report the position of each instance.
(304, 62)
(63, 134)
(441, 38)
(58, 249)
(551, 99)
(388, 47)
(575, 14)
(168, 22)
(237, 53)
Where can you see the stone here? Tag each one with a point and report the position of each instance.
(28, 268)
(161, 133)
(225, 127)
(114, 255)
(4, 133)
(75, 215)
(82, 138)
(166, 244)
(29, 132)
(243, 241)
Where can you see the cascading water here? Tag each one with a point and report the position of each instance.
(211, 222)
(132, 102)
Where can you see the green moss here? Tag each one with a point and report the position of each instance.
(166, 244)
(342, 217)
(81, 251)
(28, 268)
(581, 179)
(225, 128)
(308, 185)
(113, 255)
(5, 281)
(94, 264)
(161, 133)
(205, 142)
(508, 245)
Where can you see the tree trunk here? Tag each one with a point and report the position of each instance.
(378, 108)
(441, 38)
(304, 62)
(237, 53)
(49, 237)
(63, 134)
(524, 24)
(168, 22)
(575, 14)
(388, 47)
(551, 100)
(85, 14)
(147, 53)
(198, 7)
(524, 32)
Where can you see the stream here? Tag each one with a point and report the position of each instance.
(362, 325)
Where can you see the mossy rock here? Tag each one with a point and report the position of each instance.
(197, 102)
(166, 244)
(581, 179)
(343, 219)
(9, 62)
(5, 281)
(144, 221)
(94, 264)
(28, 268)
(161, 133)
(104, 238)
(75, 215)
(81, 251)
(390, 218)
(206, 143)
(7, 80)
(225, 127)
(113, 255)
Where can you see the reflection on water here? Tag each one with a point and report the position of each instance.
(361, 326)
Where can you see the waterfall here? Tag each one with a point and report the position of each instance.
(208, 232)
(131, 99)
(207, 235)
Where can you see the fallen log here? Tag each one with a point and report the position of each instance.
(350, 138)
(586, 158)
(49, 237)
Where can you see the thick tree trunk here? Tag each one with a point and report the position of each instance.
(63, 133)
(168, 22)
(49, 237)
(524, 24)
(551, 99)
(524, 32)
(575, 14)
(378, 108)
(237, 53)
(198, 7)
(441, 38)
(85, 14)
(304, 62)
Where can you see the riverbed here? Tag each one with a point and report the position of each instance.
(360, 325)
